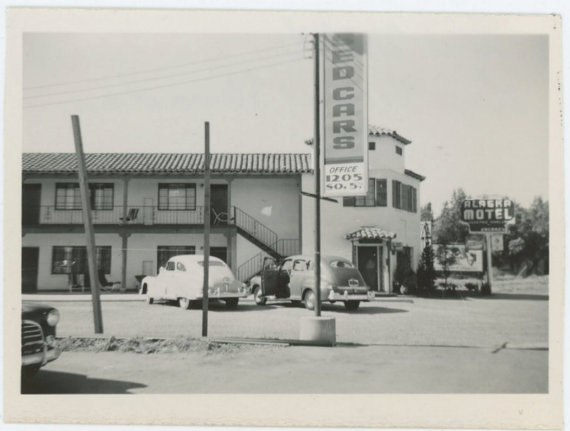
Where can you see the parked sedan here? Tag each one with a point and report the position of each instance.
(294, 279)
(182, 278)
(38, 337)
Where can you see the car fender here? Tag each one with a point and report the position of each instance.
(309, 284)
(255, 280)
(151, 286)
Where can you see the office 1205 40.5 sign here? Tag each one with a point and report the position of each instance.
(487, 215)
(340, 179)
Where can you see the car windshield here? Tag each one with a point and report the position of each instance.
(212, 263)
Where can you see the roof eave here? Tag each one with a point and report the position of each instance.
(413, 174)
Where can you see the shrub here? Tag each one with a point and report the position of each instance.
(405, 276)
(485, 289)
(426, 273)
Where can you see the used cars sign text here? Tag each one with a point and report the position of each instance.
(345, 115)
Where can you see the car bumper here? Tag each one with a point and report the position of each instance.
(335, 296)
(41, 358)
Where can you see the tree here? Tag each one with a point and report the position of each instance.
(426, 213)
(448, 227)
(446, 258)
(426, 271)
(528, 238)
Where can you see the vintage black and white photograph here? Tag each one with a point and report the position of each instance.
(330, 209)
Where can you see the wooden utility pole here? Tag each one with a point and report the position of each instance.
(87, 221)
(317, 182)
(206, 229)
(489, 262)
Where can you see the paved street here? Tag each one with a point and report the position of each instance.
(393, 344)
(514, 318)
(371, 369)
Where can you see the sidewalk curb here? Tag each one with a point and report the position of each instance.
(105, 297)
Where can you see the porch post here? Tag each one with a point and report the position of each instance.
(389, 247)
(124, 235)
(124, 252)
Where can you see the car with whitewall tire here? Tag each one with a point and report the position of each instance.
(181, 279)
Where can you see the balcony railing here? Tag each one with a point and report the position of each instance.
(285, 247)
(134, 215)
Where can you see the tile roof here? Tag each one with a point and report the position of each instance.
(370, 232)
(167, 163)
(379, 131)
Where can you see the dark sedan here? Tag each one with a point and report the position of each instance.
(39, 345)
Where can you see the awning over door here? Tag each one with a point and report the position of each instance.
(370, 232)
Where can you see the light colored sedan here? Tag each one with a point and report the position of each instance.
(182, 277)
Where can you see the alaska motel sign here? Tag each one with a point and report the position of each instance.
(487, 215)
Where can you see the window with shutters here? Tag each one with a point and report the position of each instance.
(404, 197)
(177, 196)
(377, 195)
(165, 252)
(73, 259)
(68, 196)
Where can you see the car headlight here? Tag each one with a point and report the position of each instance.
(52, 317)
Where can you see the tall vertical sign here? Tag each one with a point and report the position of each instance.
(345, 114)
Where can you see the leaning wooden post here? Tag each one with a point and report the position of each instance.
(88, 223)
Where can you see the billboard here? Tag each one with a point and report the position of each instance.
(345, 114)
(466, 260)
(487, 215)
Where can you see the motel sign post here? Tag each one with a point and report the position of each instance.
(487, 216)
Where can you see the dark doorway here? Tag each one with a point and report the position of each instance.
(220, 253)
(219, 202)
(368, 265)
(30, 260)
(31, 195)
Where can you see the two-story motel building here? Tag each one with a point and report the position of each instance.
(147, 207)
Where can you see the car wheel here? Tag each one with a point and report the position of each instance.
(149, 299)
(259, 300)
(352, 305)
(310, 300)
(232, 303)
(184, 303)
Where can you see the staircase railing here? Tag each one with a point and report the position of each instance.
(285, 247)
(254, 227)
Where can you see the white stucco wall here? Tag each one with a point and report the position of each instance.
(46, 242)
(337, 220)
(385, 156)
(141, 247)
(272, 201)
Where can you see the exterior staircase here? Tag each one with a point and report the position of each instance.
(264, 238)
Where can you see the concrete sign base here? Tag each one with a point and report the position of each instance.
(319, 329)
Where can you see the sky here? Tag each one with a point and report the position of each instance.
(474, 106)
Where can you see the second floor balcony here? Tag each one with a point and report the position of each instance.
(50, 215)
